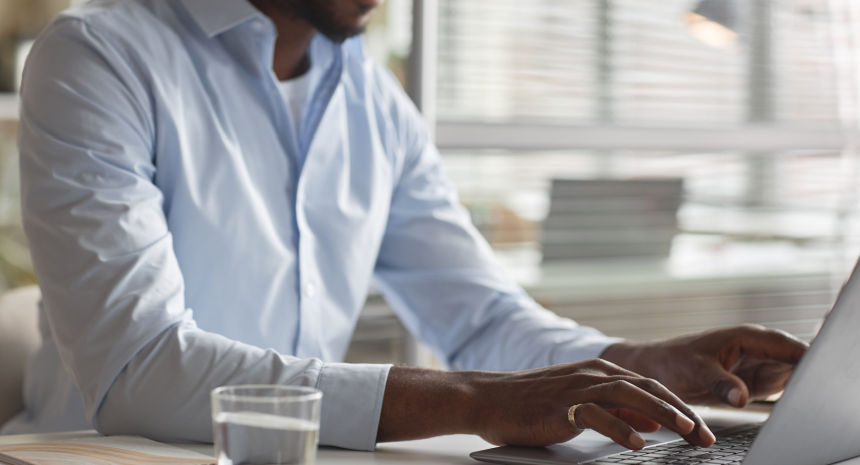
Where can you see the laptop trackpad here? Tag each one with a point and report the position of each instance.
(590, 445)
(587, 446)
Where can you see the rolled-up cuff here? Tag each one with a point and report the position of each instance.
(351, 404)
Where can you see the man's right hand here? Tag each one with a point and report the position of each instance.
(529, 408)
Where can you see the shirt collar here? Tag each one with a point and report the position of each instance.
(217, 16)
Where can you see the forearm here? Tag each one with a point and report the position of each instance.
(499, 332)
(421, 403)
(163, 392)
(520, 335)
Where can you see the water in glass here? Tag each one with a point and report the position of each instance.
(260, 438)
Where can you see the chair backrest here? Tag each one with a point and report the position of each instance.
(19, 340)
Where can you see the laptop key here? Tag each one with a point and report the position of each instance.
(728, 450)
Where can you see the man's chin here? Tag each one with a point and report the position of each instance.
(339, 35)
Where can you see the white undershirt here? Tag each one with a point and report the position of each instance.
(295, 93)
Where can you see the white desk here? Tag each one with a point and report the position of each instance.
(442, 450)
(447, 449)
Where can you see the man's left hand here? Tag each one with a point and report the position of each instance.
(723, 366)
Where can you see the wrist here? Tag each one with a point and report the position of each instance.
(459, 402)
(421, 403)
(486, 394)
(628, 355)
(470, 396)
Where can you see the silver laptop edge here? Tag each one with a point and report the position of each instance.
(817, 420)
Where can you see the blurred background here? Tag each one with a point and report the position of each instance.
(646, 167)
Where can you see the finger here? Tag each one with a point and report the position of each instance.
(596, 418)
(769, 344)
(763, 379)
(636, 421)
(725, 385)
(650, 399)
(700, 433)
(624, 394)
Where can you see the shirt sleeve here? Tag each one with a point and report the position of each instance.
(442, 279)
(112, 288)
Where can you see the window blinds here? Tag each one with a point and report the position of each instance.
(634, 62)
(764, 236)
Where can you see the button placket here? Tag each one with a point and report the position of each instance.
(310, 290)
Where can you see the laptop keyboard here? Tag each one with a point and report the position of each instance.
(727, 450)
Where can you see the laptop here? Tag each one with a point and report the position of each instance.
(816, 422)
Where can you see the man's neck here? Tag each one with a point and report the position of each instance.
(291, 47)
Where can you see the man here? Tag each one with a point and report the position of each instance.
(208, 188)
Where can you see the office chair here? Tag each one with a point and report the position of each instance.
(19, 339)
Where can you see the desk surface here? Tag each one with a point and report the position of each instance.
(442, 450)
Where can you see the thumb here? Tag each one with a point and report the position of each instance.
(726, 386)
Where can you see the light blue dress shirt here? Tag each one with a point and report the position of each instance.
(185, 238)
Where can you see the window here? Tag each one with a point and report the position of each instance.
(750, 104)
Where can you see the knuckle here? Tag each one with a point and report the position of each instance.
(751, 328)
(599, 364)
(778, 333)
(650, 384)
(619, 387)
(663, 405)
(609, 364)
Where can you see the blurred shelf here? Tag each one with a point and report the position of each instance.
(466, 135)
(8, 106)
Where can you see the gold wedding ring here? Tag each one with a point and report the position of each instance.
(571, 412)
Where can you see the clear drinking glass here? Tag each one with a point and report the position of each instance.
(266, 424)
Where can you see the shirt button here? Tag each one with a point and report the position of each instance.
(258, 25)
(310, 290)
